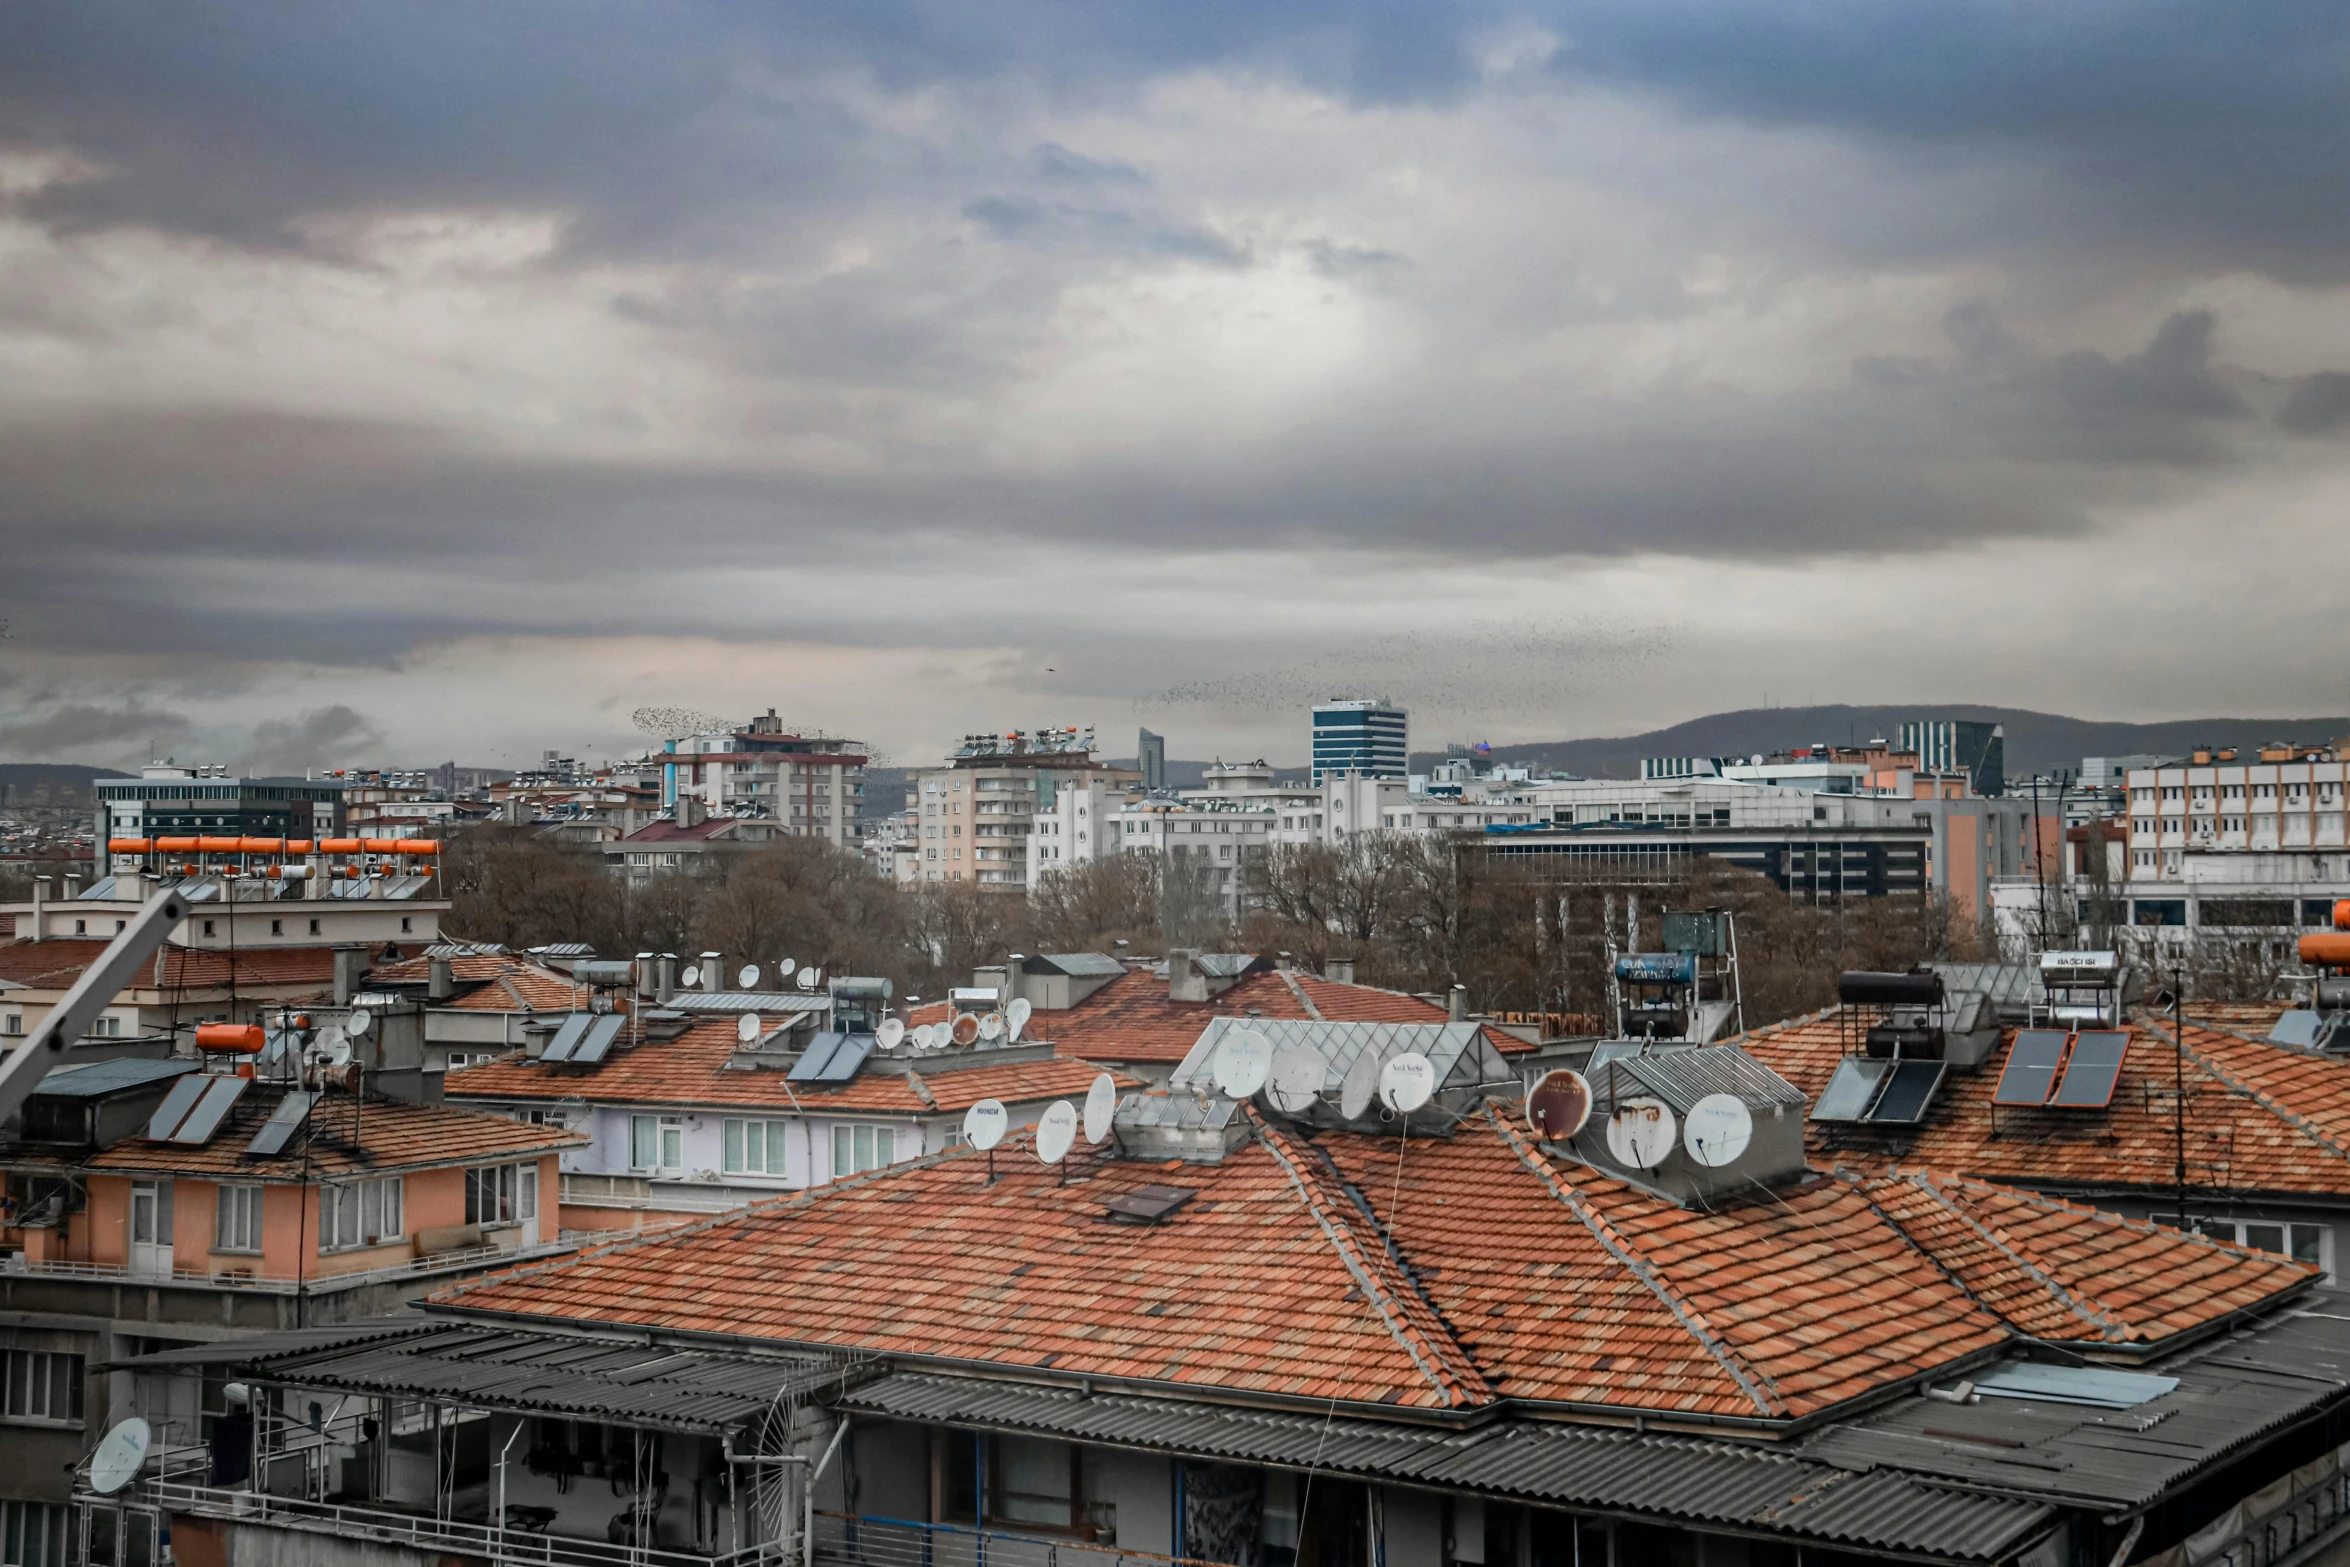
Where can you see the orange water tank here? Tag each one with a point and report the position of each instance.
(2342, 915)
(217, 845)
(2326, 948)
(126, 846)
(342, 846)
(241, 1038)
(176, 845)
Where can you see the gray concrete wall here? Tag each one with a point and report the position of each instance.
(1141, 1486)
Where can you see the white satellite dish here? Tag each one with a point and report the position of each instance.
(807, 979)
(359, 1021)
(815, 978)
(691, 977)
(746, 1027)
(1361, 1082)
(1641, 1133)
(1243, 1057)
(1718, 1129)
(783, 968)
(889, 1033)
(926, 1036)
(120, 1453)
(1016, 1019)
(991, 1025)
(985, 1123)
(1101, 1107)
(333, 1047)
(1056, 1129)
(1407, 1082)
(748, 978)
(1295, 1082)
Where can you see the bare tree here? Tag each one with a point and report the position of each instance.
(1091, 905)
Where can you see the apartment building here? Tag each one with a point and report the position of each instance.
(809, 785)
(977, 815)
(2238, 845)
(167, 799)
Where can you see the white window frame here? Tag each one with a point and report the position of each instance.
(35, 1534)
(2235, 1229)
(237, 1218)
(654, 1132)
(501, 1194)
(32, 1383)
(859, 1146)
(751, 1146)
(345, 1209)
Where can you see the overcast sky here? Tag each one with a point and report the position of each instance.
(395, 383)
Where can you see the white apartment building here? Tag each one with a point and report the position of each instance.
(809, 784)
(998, 802)
(2230, 845)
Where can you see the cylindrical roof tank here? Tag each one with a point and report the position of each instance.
(243, 1038)
(1864, 988)
(2326, 948)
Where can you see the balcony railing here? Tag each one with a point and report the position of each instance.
(487, 1541)
(583, 1190)
(16, 1265)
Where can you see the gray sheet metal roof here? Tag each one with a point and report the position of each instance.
(1460, 1052)
(2011, 987)
(1723, 1483)
(686, 1389)
(1088, 964)
(1682, 1077)
(100, 1078)
(2230, 1393)
(1177, 1111)
(747, 1001)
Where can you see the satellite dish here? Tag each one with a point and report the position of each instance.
(1718, 1129)
(691, 977)
(926, 1036)
(1295, 1082)
(991, 1026)
(1641, 1133)
(748, 979)
(984, 1124)
(966, 1029)
(1101, 1107)
(1361, 1082)
(783, 968)
(746, 1027)
(807, 979)
(1056, 1129)
(120, 1453)
(1407, 1082)
(889, 1034)
(359, 1021)
(1559, 1105)
(337, 1050)
(1016, 1019)
(1243, 1057)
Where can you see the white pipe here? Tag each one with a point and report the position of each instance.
(808, 1496)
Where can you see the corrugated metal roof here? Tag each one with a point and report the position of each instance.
(692, 1389)
(1177, 1112)
(1460, 1052)
(1682, 1077)
(2229, 1394)
(1723, 1483)
(109, 1077)
(747, 1001)
(2011, 987)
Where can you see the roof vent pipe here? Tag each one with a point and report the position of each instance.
(1456, 1004)
(1339, 971)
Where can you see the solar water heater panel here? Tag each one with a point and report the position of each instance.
(2031, 1067)
(2092, 1069)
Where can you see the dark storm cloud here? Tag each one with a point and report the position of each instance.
(2319, 405)
(324, 736)
(73, 728)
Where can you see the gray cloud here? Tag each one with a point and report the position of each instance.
(72, 730)
(323, 737)
(2319, 405)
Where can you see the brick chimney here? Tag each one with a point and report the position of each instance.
(1185, 982)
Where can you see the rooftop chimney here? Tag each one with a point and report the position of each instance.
(350, 966)
(689, 810)
(712, 976)
(40, 929)
(441, 980)
(73, 887)
(665, 977)
(1456, 1004)
(1185, 982)
(1015, 974)
(1339, 971)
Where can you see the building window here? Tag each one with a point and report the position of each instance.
(502, 1194)
(32, 1534)
(43, 1386)
(753, 1147)
(239, 1225)
(358, 1213)
(314, 927)
(856, 1149)
(13, 1024)
(404, 926)
(2306, 1243)
(104, 1028)
(208, 927)
(656, 1143)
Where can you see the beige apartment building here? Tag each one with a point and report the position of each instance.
(975, 817)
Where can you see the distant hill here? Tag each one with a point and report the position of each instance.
(49, 783)
(2036, 742)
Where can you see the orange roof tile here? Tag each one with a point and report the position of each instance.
(55, 965)
(2258, 1117)
(344, 1137)
(1439, 1273)
(691, 1070)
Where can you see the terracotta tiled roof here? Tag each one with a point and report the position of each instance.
(1483, 1269)
(1132, 1019)
(390, 1134)
(691, 1070)
(500, 982)
(55, 965)
(2259, 1117)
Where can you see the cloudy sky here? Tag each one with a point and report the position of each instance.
(407, 382)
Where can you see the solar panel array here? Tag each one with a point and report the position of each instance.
(175, 1107)
(831, 1058)
(567, 1037)
(2055, 1069)
(1877, 1091)
(597, 1042)
(283, 1122)
(220, 1093)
